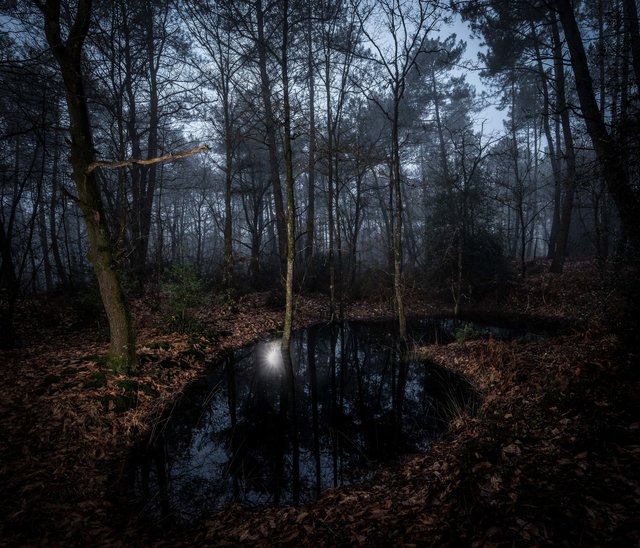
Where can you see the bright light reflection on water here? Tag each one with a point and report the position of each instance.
(231, 437)
(272, 355)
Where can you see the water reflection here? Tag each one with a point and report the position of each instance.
(268, 427)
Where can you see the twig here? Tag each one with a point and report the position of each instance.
(158, 159)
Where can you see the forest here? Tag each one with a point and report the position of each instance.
(421, 216)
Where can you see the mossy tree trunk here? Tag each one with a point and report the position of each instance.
(288, 164)
(396, 184)
(68, 54)
(290, 257)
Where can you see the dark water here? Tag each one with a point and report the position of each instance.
(249, 432)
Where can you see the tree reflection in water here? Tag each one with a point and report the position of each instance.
(251, 432)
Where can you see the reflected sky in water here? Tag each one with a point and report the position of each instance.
(242, 434)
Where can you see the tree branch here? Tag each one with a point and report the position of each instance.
(157, 160)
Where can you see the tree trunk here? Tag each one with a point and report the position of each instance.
(291, 253)
(357, 222)
(631, 28)
(553, 155)
(138, 174)
(69, 57)
(339, 271)
(397, 234)
(311, 181)
(44, 245)
(330, 191)
(288, 164)
(604, 145)
(55, 249)
(228, 183)
(148, 190)
(560, 250)
(270, 127)
(8, 290)
(441, 143)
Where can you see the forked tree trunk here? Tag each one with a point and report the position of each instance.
(69, 57)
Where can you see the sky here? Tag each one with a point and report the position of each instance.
(492, 117)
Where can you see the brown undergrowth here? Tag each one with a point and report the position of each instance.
(551, 457)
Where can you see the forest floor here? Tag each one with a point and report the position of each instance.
(552, 455)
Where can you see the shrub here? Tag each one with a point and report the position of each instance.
(184, 289)
(466, 333)
(227, 297)
(485, 268)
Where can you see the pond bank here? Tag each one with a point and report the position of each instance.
(551, 458)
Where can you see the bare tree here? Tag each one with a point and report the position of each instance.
(209, 22)
(408, 25)
(68, 54)
(604, 143)
(566, 210)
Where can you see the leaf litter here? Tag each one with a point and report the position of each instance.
(550, 457)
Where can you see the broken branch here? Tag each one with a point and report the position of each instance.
(149, 161)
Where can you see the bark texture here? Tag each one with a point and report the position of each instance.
(68, 54)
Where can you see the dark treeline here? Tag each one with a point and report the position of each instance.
(347, 151)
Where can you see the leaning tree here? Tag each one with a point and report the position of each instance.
(67, 51)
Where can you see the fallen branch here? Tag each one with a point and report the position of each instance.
(157, 160)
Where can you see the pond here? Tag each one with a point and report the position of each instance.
(248, 432)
